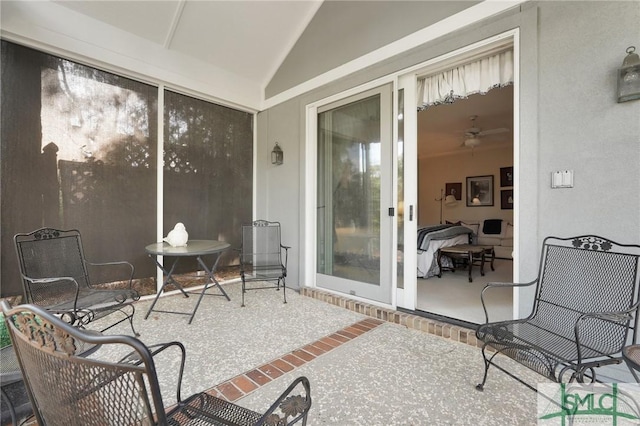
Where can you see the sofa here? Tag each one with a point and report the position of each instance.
(492, 232)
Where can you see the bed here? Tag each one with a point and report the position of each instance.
(431, 238)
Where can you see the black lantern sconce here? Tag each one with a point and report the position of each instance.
(629, 77)
(277, 156)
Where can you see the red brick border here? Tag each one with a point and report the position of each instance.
(242, 385)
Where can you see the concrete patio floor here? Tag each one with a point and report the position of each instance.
(372, 367)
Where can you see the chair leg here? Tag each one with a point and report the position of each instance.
(243, 292)
(133, 311)
(487, 363)
(127, 316)
(284, 289)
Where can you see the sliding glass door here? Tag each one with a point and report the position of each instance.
(354, 195)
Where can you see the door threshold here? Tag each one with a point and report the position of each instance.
(441, 318)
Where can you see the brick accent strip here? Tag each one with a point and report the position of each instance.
(242, 385)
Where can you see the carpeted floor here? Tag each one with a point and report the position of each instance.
(455, 297)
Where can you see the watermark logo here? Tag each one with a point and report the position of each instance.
(563, 404)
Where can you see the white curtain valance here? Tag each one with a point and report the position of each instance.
(465, 80)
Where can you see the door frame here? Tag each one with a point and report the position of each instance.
(407, 297)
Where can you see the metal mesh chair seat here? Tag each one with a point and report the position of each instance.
(544, 351)
(68, 389)
(261, 258)
(585, 310)
(100, 302)
(204, 409)
(55, 275)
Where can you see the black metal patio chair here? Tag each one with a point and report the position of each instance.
(585, 310)
(55, 275)
(68, 389)
(261, 257)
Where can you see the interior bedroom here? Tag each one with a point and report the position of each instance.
(465, 196)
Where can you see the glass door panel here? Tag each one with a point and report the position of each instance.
(354, 195)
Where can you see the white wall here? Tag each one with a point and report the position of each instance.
(435, 172)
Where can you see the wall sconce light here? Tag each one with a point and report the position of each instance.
(277, 156)
(629, 77)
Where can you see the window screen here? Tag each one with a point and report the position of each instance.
(208, 166)
(79, 151)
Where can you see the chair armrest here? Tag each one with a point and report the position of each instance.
(33, 295)
(499, 285)
(133, 358)
(117, 263)
(294, 406)
(286, 257)
(605, 346)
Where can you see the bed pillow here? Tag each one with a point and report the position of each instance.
(452, 223)
(473, 226)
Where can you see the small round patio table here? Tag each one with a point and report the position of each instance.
(194, 248)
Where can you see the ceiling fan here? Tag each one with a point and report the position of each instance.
(474, 133)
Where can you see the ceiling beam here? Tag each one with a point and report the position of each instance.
(174, 23)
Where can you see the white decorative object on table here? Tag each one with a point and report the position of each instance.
(178, 236)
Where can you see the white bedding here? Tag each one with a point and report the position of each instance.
(427, 262)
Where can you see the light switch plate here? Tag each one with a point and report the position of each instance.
(562, 179)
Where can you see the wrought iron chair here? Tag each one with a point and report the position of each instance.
(55, 275)
(261, 257)
(67, 389)
(585, 310)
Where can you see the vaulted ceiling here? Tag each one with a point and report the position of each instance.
(246, 38)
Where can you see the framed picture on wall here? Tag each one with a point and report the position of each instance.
(506, 199)
(506, 176)
(480, 191)
(454, 189)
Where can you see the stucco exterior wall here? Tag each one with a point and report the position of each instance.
(569, 119)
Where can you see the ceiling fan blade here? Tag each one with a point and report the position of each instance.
(493, 131)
